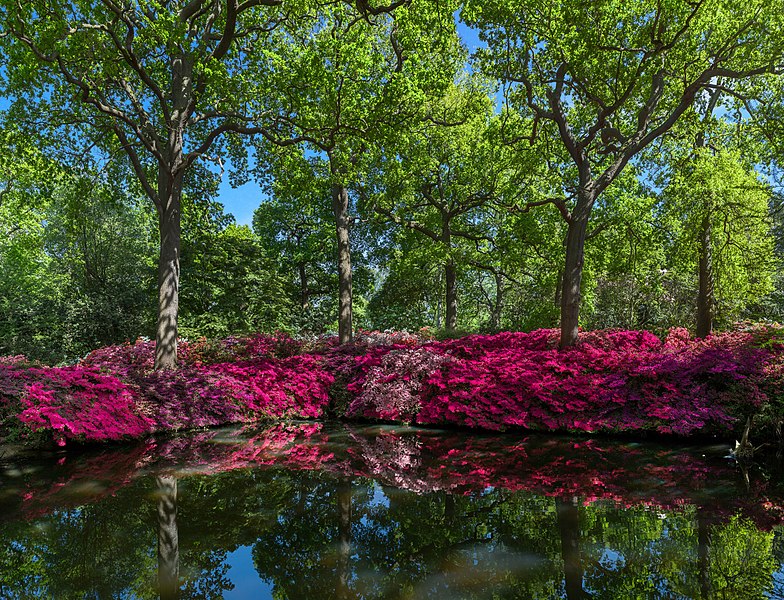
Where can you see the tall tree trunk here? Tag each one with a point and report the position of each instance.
(568, 515)
(303, 287)
(344, 537)
(168, 539)
(450, 274)
(340, 208)
(169, 214)
(170, 178)
(705, 294)
(439, 300)
(498, 305)
(573, 270)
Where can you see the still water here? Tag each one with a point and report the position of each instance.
(312, 511)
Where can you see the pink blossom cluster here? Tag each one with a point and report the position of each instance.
(115, 393)
(127, 358)
(391, 389)
(611, 381)
(69, 403)
(391, 337)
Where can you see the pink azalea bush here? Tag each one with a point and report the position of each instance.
(611, 381)
(115, 393)
(69, 403)
(391, 388)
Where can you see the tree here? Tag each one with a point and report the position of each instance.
(76, 260)
(163, 79)
(606, 92)
(441, 177)
(346, 85)
(295, 228)
(717, 213)
(167, 81)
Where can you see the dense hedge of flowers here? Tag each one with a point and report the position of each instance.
(611, 381)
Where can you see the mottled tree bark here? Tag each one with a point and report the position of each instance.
(705, 295)
(498, 305)
(342, 225)
(171, 170)
(450, 275)
(169, 214)
(573, 270)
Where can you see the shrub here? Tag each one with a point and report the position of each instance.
(613, 381)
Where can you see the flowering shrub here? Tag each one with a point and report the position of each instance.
(76, 403)
(613, 381)
(126, 359)
(610, 381)
(238, 392)
(391, 389)
(391, 338)
(126, 398)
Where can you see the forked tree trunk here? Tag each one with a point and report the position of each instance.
(168, 539)
(340, 208)
(573, 272)
(169, 214)
(706, 291)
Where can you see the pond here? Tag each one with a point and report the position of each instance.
(310, 510)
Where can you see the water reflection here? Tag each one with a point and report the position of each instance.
(168, 539)
(388, 513)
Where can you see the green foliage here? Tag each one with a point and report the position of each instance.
(75, 262)
(475, 162)
(229, 286)
(720, 190)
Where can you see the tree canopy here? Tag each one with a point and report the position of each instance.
(625, 174)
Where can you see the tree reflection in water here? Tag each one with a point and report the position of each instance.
(382, 513)
(168, 539)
